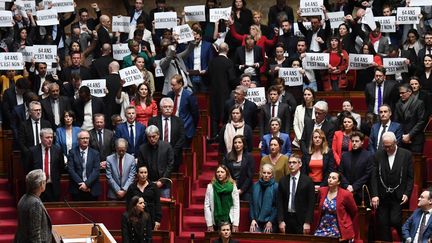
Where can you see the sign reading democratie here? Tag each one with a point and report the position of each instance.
(408, 15)
(131, 75)
(11, 61)
(388, 23)
(336, 18)
(292, 76)
(360, 61)
(121, 24)
(195, 13)
(27, 53)
(120, 51)
(311, 7)
(62, 6)
(415, 3)
(47, 17)
(6, 19)
(317, 61)
(97, 86)
(395, 65)
(165, 20)
(45, 53)
(219, 13)
(184, 32)
(256, 95)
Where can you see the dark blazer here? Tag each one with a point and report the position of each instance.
(25, 134)
(65, 74)
(47, 111)
(75, 168)
(56, 165)
(37, 82)
(373, 136)
(390, 94)
(91, 22)
(283, 113)
(122, 131)
(328, 165)
(107, 144)
(9, 101)
(165, 160)
(61, 35)
(97, 104)
(206, 55)
(247, 132)
(323, 33)
(357, 174)
(327, 127)
(111, 107)
(240, 58)
(132, 234)
(250, 111)
(99, 67)
(402, 164)
(188, 111)
(247, 171)
(34, 222)
(409, 229)
(304, 199)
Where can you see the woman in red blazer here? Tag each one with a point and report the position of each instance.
(341, 139)
(338, 211)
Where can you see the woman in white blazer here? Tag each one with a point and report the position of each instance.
(302, 112)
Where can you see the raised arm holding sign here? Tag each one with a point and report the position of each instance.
(6, 19)
(292, 76)
(11, 61)
(97, 86)
(131, 75)
(165, 20)
(47, 17)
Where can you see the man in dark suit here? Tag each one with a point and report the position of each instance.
(321, 122)
(275, 109)
(250, 110)
(385, 124)
(410, 113)
(76, 68)
(281, 7)
(34, 223)
(185, 107)
(288, 38)
(71, 89)
(101, 139)
(316, 36)
(380, 91)
(20, 113)
(103, 34)
(158, 157)
(296, 195)
(132, 131)
(356, 166)
(418, 227)
(427, 49)
(100, 65)
(113, 84)
(411, 62)
(12, 97)
(86, 23)
(248, 59)
(83, 167)
(54, 106)
(50, 159)
(38, 75)
(85, 107)
(137, 11)
(173, 131)
(391, 185)
(222, 77)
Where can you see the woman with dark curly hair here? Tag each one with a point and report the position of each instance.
(136, 223)
(144, 103)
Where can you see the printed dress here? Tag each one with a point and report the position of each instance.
(328, 225)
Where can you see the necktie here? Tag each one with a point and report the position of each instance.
(177, 67)
(131, 137)
(430, 50)
(120, 167)
(293, 192)
(37, 133)
(380, 136)
(175, 104)
(166, 133)
(273, 110)
(422, 227)
(82, 154)
(46, 163)
(379, 98)
(100, 140)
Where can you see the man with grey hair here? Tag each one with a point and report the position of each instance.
(120, 170)
(172, 129)
(50, 159)
(54, 106)
(391, 185)
(250, 110)
(34, 223)
(158, 157)
(321, 122)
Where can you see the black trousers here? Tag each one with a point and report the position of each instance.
(389, 214)
(84, 196)
(292, 224)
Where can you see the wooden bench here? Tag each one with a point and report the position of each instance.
(245, 237)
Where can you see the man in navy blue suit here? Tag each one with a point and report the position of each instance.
(132, 131)
(83, 166)
(418, 227)
(377, 129)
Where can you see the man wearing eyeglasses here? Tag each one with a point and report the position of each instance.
(380, 91)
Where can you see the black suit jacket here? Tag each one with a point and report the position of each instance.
(356, 174)
(25, 134)
(402, 169)
(250, 111)
(240, 58)
(304, 199)
(78, 107)
(328, 165)
(47, 111)
(56, 165)
(390, 94)
(283, 113)
(99, 67)
(323, 33)
(9, 101)
(327, 127)
(111, 107)
(247, 171)
(37, 82)
(65, 74)
(165, 159)
(107, 144)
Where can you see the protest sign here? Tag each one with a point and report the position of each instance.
(6, 19)
(11, 61)
(418, 3)
(165, 20)
(120, 51)
(388, 23)
(45, 53)
(158, 69)
(195, 13)
(25, 6)
(50, 69)
(369, 19)
(292, 76)
(336, 18)
(131, 75)
(121, 24)
(316, 61)
(311, 7)
(97, 86)
(297, 31)
(2, 5)
(62, 6)
(360, 61)
(395, 65)
(27, 53)
(47, 17)
(184, 32)
(408, 15)
(219, 13)
(256, 95)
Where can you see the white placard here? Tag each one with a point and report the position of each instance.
(311, 7)
(336, 18)
(184, 32)
(388, 23)
(120, 51)
(6, 19)
(256, 95)
(27, 53)
(25, 6)
(317, 61)
(62, 6)
(297, 32)
(2, 5)
(219, 13)
(121, 24)
(408, 15)
(50, 69)
(47, 17)
(395, 65)
(11, 61)
(195, 13)
(369, 19)
(292, 76)
(97, 86)
(45, 53)
(417, 3)
(131, 75)
(360, 61)
(165, 20)
(158, 69)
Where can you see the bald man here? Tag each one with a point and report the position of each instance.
(103, 34)
(54, 106)
(113, 85)
(99, 66)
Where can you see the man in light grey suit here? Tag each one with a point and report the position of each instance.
(120, 170)
(34, 223)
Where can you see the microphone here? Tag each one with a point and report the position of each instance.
(95, 229)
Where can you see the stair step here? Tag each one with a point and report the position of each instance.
(6, 199)
(185, 235)
(7, 238)
(8, 226)
(4, 184)
(194, 223)
(8, 213)
(194, 210)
